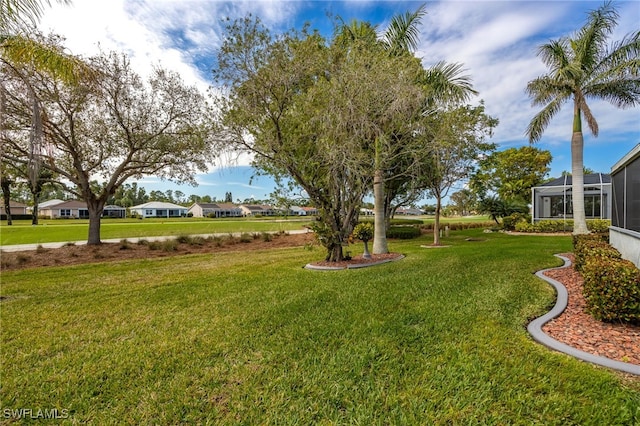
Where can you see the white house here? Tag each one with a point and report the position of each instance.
(158, 209)
(258, 210)
(71, 209)
(214, 210)
(553, 200)
(624, 233)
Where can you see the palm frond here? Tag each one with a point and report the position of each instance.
(403, 33)
(448, 84)
(18, 15)
(590, 41)
(541, 120)
(581, 104)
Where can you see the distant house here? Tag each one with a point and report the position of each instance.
(158, 209)
(258, 210)
(553, 200)
(214, 210)
(114, 211)
(16, 208)
(71, 209)
(310, 211)
(624, 233)
(409, 211)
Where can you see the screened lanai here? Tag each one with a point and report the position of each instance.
(553, 200)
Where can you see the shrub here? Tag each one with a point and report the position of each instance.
(612, 289)
(124, 245)
(591, 245)
(509, 222)
(184, 239)
(403, 232)
(363, 231)
(525, 227)
(266, 237)
(245, 237)
(170, 245)
(598, 225)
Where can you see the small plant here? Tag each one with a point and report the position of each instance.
(40, 249)
(266, 237)
(197, 240)
(246, 237)
(154, 245)
(183, 239)
(170, 245)
(125, 245)
(217, 241)
(69, 244)
(143, 242)
(364, 232)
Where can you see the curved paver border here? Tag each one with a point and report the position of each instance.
(355, 266)
(535, 328)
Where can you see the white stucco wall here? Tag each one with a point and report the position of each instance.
(627, 242)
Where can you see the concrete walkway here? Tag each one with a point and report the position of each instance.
(28, 247)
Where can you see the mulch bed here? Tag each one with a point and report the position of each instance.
(575, 327)
(358, 260)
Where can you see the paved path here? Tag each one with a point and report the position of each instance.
(27, 247)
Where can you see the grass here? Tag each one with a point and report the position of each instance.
(436, 338)
(22, 232)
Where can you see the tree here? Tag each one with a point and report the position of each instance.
(304, 107)
(112, 129)
(464, 201)
(228, 197)
(512, 173)
(398, 168)
(457, 138)
(5, 185)
(582, 67)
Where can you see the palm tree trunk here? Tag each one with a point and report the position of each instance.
(577, 176)
(436, 225)
(380, 245)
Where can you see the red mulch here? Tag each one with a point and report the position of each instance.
(574, 327)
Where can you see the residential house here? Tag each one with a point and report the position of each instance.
(553, 200)
(214, 210)
(114, 211)
(624, 233)
(70, 209)
(16, 208)
(258, 210)
(158, 209)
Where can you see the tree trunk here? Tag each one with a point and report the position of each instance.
(34, 213)
(95, 213)
(380, 245)
(6, 193)
(436, 225)
(577, 176)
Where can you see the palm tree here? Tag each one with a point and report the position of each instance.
(583, 67)
(442, 83)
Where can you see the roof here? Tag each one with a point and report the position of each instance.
(49, 203)
(70, 204)
(158, 205)
(628, 158)
(590, 179)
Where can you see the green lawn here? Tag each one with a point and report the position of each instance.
(436, 338)
(22, 232)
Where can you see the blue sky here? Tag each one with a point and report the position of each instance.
(495, 40)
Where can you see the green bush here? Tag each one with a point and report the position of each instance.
(598, 225)
(363, 231)
(509, 222)
(612, 289)
(403, 232)
(525, 227)
(588, 245)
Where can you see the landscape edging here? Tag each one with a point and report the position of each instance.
(535, 328)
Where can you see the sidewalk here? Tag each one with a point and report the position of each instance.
(27, 247)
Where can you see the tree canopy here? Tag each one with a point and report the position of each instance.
(108, 130)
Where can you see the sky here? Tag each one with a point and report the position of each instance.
(496, 41)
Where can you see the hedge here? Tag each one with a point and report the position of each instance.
(612, 289)
(403, 232)
(611, 284)
(594, 225)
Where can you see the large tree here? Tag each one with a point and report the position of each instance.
(314, 110)
(109, 129)
(399, 168)
(511, 173)
(581, 68)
